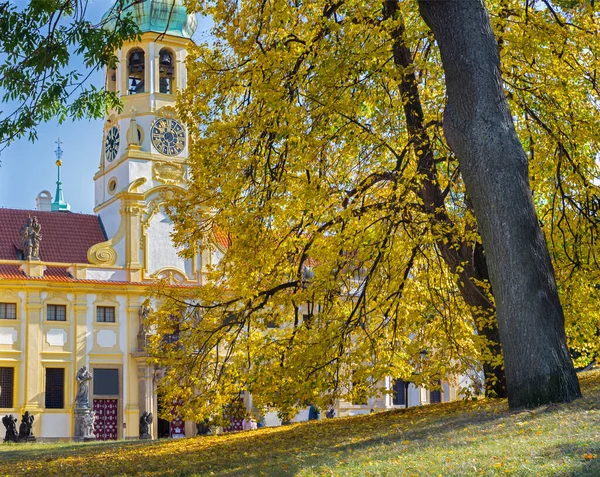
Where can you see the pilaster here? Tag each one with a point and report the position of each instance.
(131, 212)
(33, 379)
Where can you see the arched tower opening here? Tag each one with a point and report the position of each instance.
(136, 71)
(111, 80)
(166, 70)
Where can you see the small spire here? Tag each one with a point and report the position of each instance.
(59, 204)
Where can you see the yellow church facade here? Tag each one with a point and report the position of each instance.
(78, 300)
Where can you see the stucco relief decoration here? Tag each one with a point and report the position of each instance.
(55, 296)
(8, 336)
(106, 338)
(151, 210)
(106, 297)
(168, 172)
(31, 237)
(103, 253)
(167, 112)
(171, 275)
(56, 337)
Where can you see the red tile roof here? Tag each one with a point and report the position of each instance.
(221, 237)
(66, 237)
(54, 274)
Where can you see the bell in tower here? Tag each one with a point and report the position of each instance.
(166, 71)
(135, 64)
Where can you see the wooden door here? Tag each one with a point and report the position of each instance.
(106, 424)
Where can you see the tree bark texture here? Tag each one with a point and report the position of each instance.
(454, 251)
(479, 129)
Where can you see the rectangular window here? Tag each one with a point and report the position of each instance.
(399, 389)
(105, 314)
(8, 311)
(435, 396)
(106, 382)
(7, 382)
(56, 313)
(55, 388)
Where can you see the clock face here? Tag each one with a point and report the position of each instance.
(168, 136)
(111, 144)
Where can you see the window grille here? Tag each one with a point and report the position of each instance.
(56, 313)
(8, 311)
(105, 314)
(7, 381)
(55, 388)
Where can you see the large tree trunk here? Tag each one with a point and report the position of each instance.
(454, 250)
(479, 129)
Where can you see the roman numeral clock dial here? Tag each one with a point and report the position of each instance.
(168, 136)
(111, 144)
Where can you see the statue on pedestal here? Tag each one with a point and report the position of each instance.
(145, 422)
(10, 423)
(83, 378)
(84, 417)
(25, 432)
(142, 336)
(89, 418)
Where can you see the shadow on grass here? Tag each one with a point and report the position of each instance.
(48, 451)
(320, 446)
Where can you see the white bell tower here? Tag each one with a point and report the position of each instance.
(145, 146)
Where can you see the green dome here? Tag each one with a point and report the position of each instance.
(160, 16)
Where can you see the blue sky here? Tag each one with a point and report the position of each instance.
(27, 168)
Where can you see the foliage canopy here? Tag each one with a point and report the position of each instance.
(37, 79)
(317, 147)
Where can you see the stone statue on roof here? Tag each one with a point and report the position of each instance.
(30, 239)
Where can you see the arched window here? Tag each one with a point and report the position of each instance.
(166, 69)
(135, 66)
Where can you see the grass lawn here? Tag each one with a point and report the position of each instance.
(454, 439)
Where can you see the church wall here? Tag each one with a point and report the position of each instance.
(56, 425)
(38, 343)
(161, 253)
(111, 218)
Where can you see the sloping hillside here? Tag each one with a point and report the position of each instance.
(455, 439)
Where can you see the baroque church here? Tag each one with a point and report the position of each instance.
(72, 286)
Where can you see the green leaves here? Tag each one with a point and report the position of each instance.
(36, 76)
